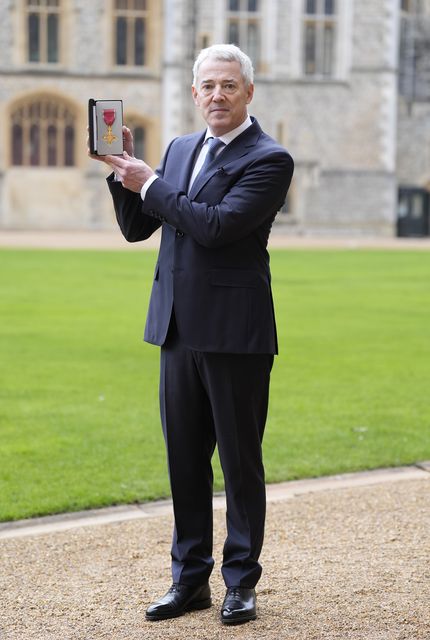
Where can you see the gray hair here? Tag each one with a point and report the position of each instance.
(230, 53)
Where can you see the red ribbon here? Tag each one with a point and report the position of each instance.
(109, 116)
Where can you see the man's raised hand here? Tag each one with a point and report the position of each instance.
(133, 173)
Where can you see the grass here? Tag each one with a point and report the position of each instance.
(79, 423)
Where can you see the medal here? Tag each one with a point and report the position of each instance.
(109, 118)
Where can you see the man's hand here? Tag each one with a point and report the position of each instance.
(130, 171)
(127, 138)
(133, 173)
(93, 156)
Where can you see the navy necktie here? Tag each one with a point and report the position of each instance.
(213, 145)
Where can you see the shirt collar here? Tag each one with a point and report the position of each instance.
(230, 135)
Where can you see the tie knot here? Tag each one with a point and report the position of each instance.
(213, 145)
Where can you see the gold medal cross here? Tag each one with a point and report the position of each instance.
(109, 137)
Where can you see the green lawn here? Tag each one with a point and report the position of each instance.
(79, 422)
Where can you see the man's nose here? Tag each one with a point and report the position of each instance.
(218, 93)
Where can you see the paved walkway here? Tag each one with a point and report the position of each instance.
(345, 558)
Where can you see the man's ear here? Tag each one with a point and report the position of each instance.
(195, 96)
(250, 93)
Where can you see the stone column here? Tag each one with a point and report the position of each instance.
(179, 42)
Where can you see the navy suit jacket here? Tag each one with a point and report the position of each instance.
(213, 264)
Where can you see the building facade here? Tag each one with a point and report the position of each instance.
(413, 130)
(344, 84)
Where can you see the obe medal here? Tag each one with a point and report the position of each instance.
(109, 118)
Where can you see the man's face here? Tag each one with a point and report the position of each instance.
(221, 95)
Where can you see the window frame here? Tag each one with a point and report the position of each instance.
(131, 16)
(43, 11)
(34, 118)
(244, 18)
(319, 21)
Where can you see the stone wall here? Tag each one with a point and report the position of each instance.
(71, 197)
(344, 133)
(413, 151)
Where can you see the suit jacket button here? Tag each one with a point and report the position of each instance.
(179, 234)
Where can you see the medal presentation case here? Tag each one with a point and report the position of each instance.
(105, 127)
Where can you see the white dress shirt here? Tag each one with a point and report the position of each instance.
(226, 138)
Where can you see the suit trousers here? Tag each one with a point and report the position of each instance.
(209, 399)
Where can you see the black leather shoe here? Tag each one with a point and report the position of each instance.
(179, 599)
(239, 605)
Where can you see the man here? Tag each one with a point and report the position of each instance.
(215, 195)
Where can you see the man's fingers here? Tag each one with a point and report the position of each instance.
(116, 161)
(95, 157)
(127, 138)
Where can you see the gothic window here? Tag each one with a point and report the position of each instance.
(244, 27)
(43, 134)
(130, 28)
(43, 21)
(414, 55)
(320, 20)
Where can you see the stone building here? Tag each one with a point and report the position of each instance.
(344, 84)
(413, 130)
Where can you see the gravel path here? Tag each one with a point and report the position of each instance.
(340, 564)
(343, 564)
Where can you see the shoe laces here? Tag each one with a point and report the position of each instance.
(234, 592)
(175, 588)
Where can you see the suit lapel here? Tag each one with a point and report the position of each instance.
(189, 153)
(236, 149)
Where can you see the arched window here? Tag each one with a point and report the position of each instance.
(34, 145)
(69, 145)
(17, 144)
(52, 145)
(43, 19)
(43, 134)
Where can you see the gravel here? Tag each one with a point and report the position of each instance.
(350, 563)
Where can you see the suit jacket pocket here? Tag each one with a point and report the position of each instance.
(242, 278)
